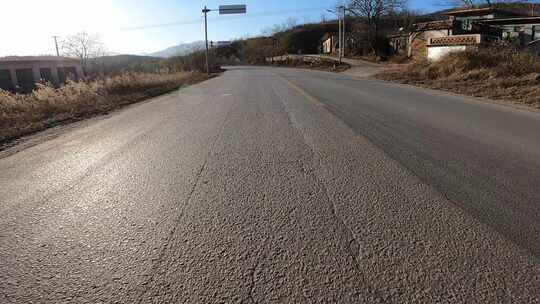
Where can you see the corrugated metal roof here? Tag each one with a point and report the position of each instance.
(469, 11)
(434, 25)
(517, 20)
(476, 11)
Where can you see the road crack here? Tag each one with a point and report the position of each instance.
(252, 280)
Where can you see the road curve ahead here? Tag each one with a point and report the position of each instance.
(279, 185)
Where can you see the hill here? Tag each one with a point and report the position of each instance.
(121, 63)
(179, 50)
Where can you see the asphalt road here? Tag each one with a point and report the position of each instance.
(279, 185)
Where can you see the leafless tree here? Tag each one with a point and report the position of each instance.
(323, 18)
(372, 11)
(83, 46)
(466, 3)
(291, 23)
(532, 7)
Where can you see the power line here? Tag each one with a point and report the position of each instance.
(220, 19)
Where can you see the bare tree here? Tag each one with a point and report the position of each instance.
(83, 46)
(291, 23)
(533, 7)
(372, 11)
(466, 3)
(323, 18)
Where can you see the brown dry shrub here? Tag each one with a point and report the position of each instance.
(497, 61)
(517, 64)
(45, 106)
(493, 72)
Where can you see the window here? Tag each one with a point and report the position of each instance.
(466, 24)
(5, 80)
(67, 73)
(46, 75)
(25, 79)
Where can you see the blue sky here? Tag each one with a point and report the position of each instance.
(114, 21)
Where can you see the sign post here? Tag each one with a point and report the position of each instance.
(223, 10)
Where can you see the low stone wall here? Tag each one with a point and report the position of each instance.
(440, 46)
(284, 58)
(456, 40)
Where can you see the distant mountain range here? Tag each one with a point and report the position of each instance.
(122, 60)
(179, 50)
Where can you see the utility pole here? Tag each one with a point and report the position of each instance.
(340, 38)
(340, 13)
(56, 45)
(344, 33)
(206, 11)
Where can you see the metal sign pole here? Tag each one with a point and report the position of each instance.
(223, 10)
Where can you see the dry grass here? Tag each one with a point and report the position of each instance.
(47, 106)
(495, 73)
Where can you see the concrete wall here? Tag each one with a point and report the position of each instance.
(330, 45)
(435, 53)
(327, 46)
(418, 46)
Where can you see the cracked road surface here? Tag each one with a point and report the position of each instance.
(279, 185)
